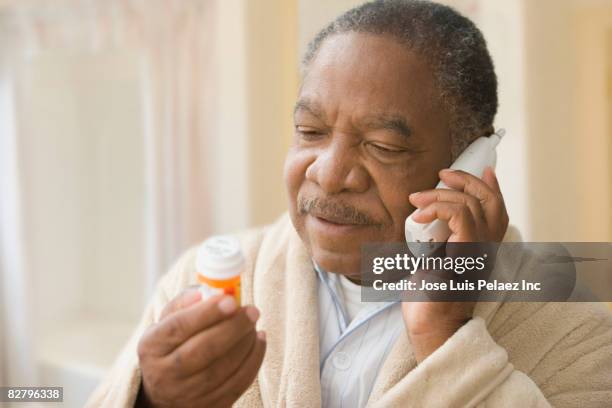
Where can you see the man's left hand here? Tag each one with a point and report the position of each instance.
(475, 212)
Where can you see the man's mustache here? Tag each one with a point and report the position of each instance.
(334, 211)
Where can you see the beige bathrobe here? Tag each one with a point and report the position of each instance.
(508, 355)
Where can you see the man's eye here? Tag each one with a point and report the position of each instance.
(308, 133)
(386, 149)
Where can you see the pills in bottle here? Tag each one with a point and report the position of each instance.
(219, 262)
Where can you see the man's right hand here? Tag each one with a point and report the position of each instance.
(201, 353)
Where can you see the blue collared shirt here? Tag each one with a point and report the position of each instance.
(352, 351)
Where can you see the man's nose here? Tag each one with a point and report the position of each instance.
(338, 168)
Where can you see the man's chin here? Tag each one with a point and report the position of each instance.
(345, 263)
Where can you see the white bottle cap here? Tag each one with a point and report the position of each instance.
(220, 258)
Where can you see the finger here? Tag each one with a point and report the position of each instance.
(185, 299)
(179, 326)
(203, 382)
(233, 388)
(490, 178)
(424, 198)
(468, 183)
(459, 218)
(492, 201)
(224, 367)
(199, 351)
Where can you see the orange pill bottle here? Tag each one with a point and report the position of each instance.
(219, 262)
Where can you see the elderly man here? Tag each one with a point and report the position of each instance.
(392, 92)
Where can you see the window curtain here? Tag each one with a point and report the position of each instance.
(174, 40)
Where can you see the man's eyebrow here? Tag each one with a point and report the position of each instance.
(309, 106)
(393, 122)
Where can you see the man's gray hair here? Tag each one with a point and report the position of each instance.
(450, 43)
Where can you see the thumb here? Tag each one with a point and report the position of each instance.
(186, 298)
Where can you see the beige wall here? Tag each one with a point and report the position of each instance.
(257, 78)
(551, 99)
(569, 136)
(272, 79)
(592, 26)
(609, 109)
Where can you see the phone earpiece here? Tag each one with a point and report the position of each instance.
(474, 159)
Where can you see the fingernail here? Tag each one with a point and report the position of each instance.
(447, 170)
(416, 193)
(227, 305)
(261, 335)
(252, 314)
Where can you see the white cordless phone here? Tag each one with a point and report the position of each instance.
(478, 156)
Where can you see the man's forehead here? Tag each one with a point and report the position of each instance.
(345, 73)
(366, 56)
